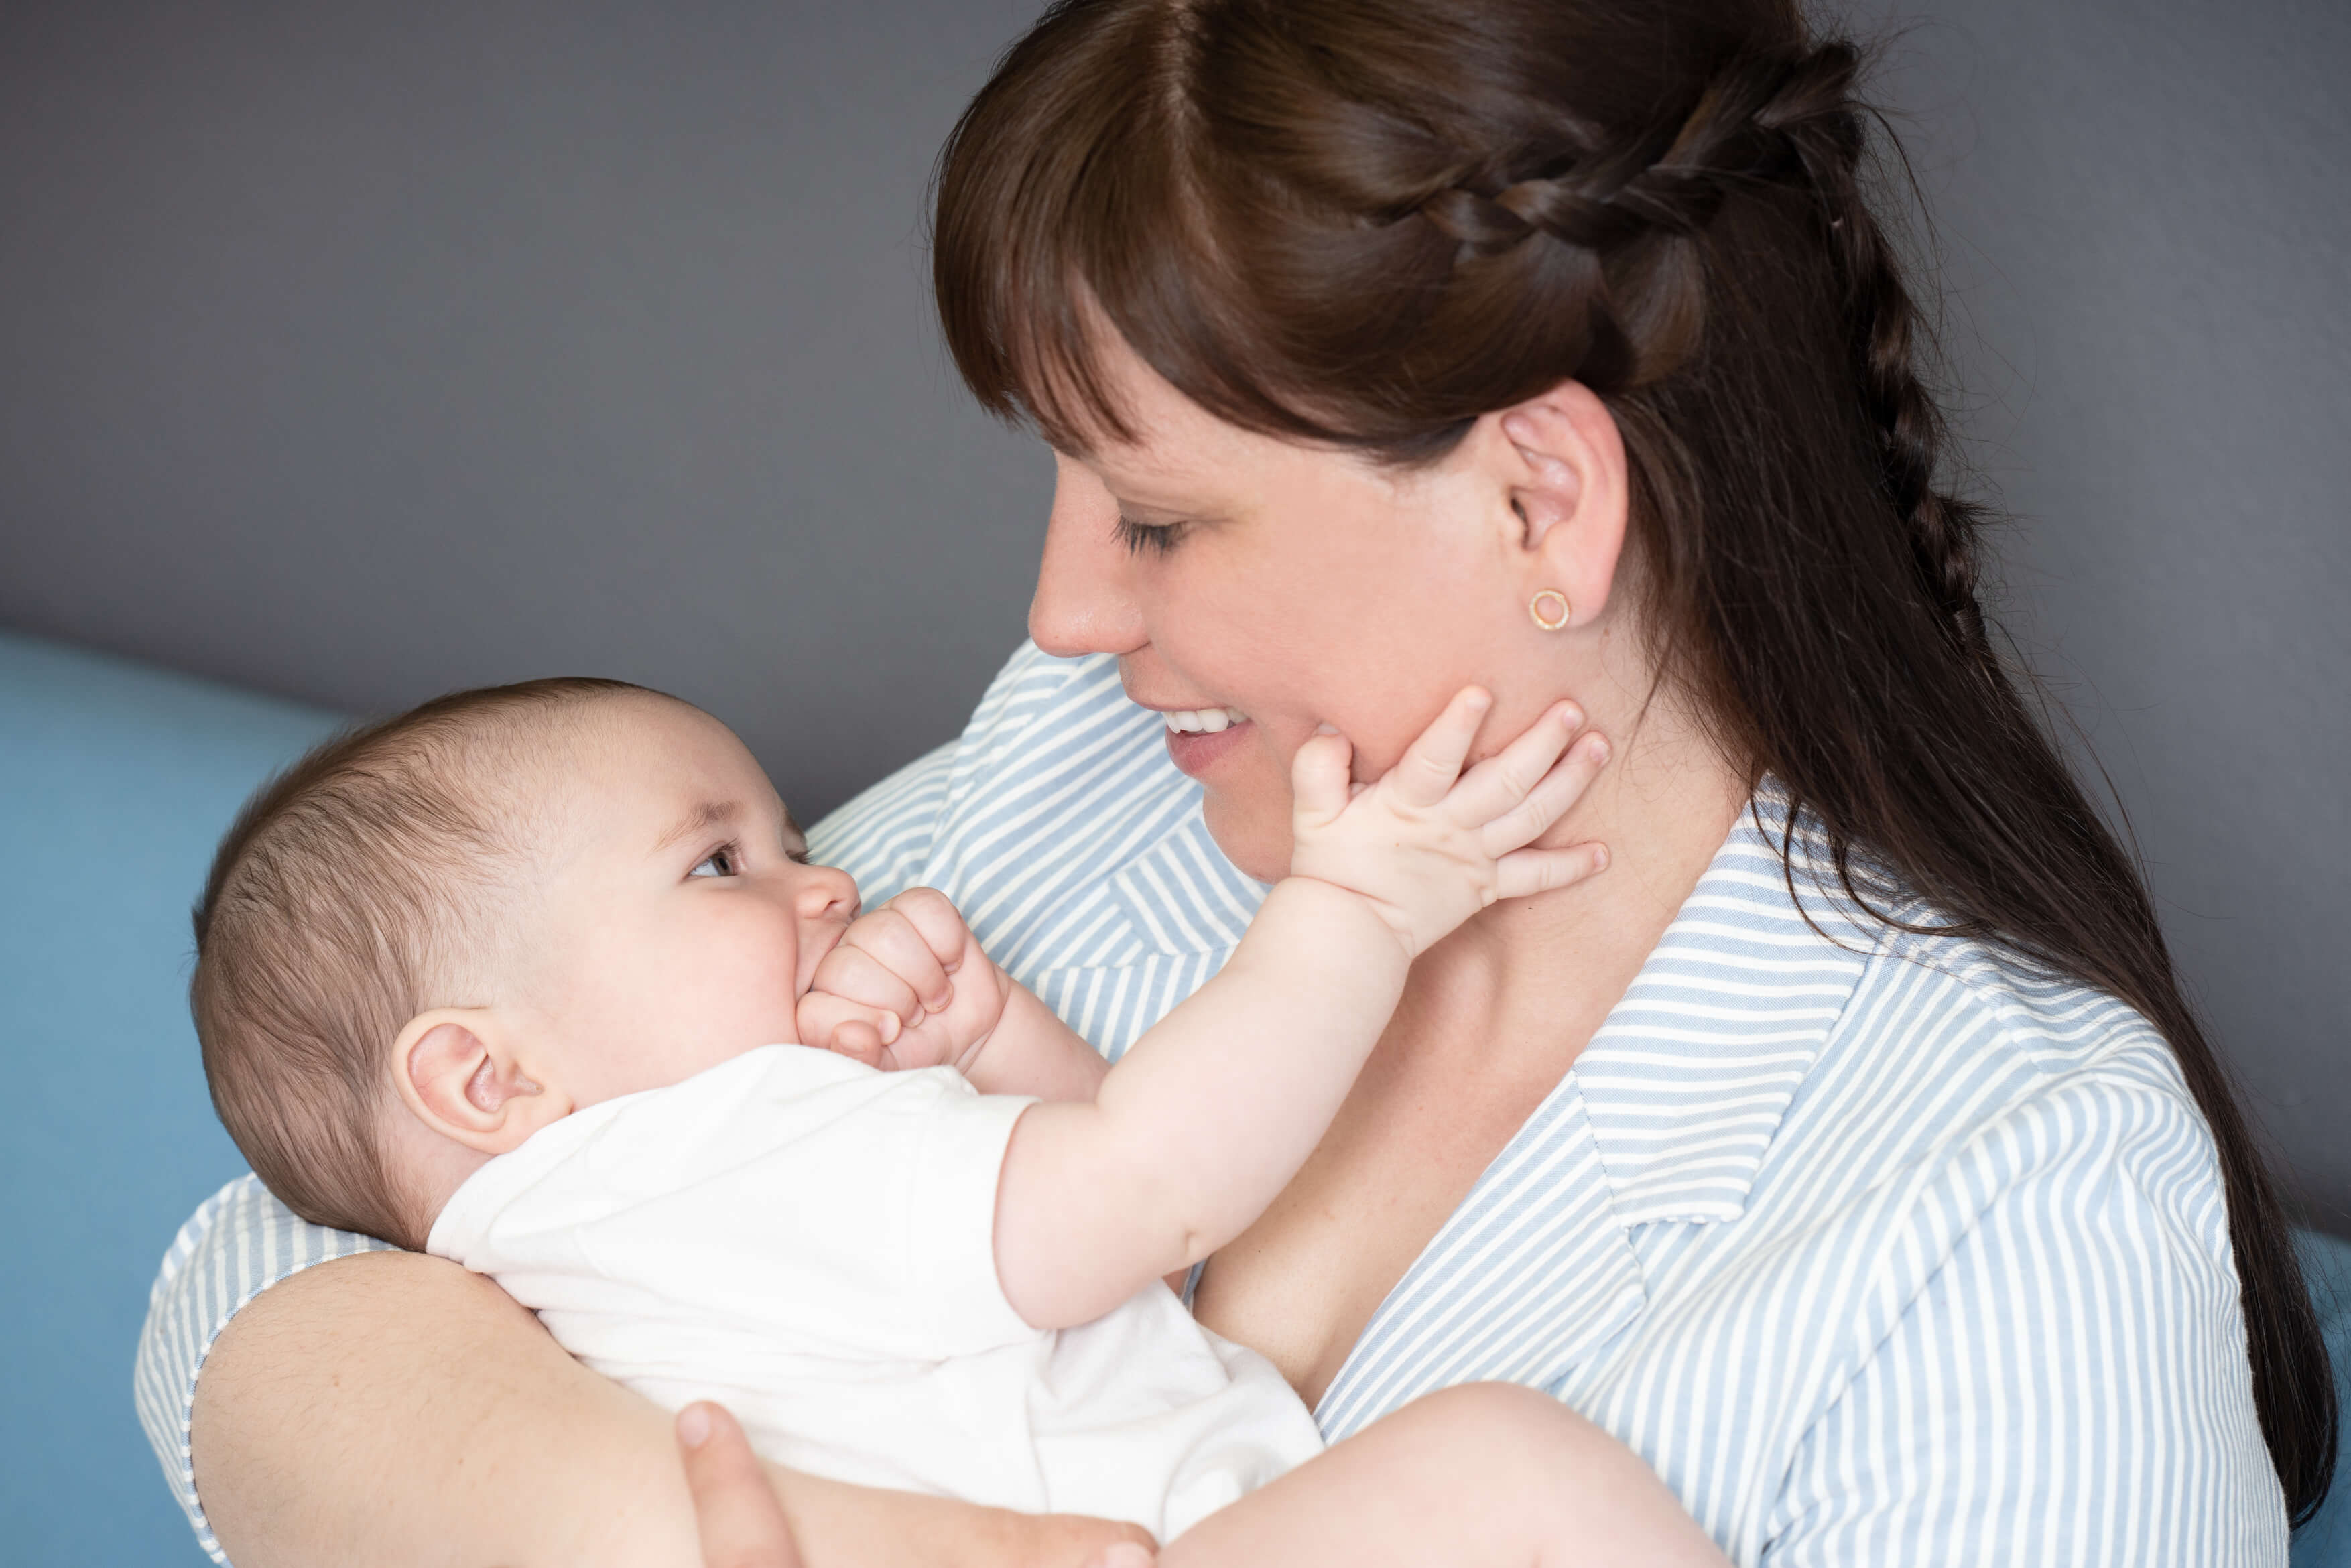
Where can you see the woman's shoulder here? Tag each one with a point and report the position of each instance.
(1989, 1085)
(1947, 1048)
(2000, 1012)
(1924, 987)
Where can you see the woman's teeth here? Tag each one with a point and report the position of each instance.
(1205, 720)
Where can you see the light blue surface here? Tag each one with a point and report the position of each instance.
(2326, 1541)
(115, 781)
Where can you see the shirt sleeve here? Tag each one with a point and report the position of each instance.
(888, 837)
(2059, 1373)
(884, 837)
(238, 1243)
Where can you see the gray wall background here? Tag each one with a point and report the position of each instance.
(356, 354)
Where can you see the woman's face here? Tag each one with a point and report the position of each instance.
(1293, 586)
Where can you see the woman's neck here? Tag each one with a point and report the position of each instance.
(1545, 970)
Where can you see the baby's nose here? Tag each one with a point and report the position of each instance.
(828, 894)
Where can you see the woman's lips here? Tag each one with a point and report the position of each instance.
(1197, 751)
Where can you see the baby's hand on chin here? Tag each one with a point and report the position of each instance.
(1431, 844)
(907, 987)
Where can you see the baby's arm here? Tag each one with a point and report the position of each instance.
(1481, 1476)
(1203, 1122)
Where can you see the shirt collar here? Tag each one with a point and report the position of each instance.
(1686, 1082)
(1665, 1116)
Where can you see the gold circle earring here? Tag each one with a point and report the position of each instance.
(1553, 622)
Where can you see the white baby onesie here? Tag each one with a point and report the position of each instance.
(810, 1242)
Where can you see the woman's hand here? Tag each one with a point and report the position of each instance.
(735, 1508)
(743, 1525)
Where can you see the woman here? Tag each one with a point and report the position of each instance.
(1847, 1150)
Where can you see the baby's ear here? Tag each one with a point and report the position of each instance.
(459, 1071)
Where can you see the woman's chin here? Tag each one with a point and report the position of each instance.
(1245, 794)
(1253, 830)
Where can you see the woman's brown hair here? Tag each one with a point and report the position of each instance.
(1367, 223)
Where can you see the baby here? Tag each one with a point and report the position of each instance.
(539, 979)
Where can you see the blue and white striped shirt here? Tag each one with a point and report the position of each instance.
(1879, 1248)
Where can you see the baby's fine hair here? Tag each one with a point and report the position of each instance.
(355, 890)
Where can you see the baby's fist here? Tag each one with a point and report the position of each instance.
(907, 986)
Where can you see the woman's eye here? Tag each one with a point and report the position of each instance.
(1157, 538)
(723, 862)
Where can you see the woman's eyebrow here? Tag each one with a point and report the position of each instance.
(709, 814)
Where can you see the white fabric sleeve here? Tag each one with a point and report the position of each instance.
(798, 1198)
(951, 1225)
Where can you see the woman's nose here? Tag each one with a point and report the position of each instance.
(1085, 599)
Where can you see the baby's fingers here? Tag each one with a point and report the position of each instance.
(1550, 799)
(1431, 764)
(834, 1023)
(1320, 776)
(1499, 784)
(896, 947)
(934, 917)
(857, 977)
(1523, 871)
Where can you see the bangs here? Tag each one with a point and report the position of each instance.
(1204, 182)
(1070, 207)
(1067, 149)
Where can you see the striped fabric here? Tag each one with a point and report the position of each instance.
(1879, 1249)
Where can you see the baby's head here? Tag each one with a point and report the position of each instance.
(432, 936)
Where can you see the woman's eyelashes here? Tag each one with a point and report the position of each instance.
(1156, 537)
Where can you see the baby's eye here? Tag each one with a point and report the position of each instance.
(724, 860)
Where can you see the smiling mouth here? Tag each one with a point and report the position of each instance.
(1204, 720)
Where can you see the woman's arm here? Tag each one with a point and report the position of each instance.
(392, 1408)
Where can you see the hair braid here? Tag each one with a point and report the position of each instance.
(1827, 131)
(1764, 120)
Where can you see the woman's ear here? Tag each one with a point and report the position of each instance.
(460, 1070)
(1565, 467)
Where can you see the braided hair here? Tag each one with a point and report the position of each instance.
(1368, 222)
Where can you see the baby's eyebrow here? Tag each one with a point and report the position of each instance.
(709, 814)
